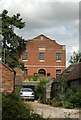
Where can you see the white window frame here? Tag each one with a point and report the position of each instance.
(57, 56)
(57, 74)
(26, 72)
(25, 55)
(41, 56)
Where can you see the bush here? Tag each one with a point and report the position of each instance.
(67, 104)
(75, 99)
(41, 86)
(36, 77)
(56, 102)
(67, 97)
(13, 108)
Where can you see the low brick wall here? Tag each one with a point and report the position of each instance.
(8, 77)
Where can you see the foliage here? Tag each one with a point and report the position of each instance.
(12, 44)
(26, 80)
(67, 97)
(13, 108)
(67, 104)
(61, 89)
(75, 98)
(56, 102)
(36, 77)
(40, 87)
(75, 57)
(17, 90)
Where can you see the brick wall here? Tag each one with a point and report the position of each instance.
(7, 78)
(19, 76)
(50, 65)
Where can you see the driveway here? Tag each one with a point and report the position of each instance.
(48, 111)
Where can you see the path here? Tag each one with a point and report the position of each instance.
(48, 111)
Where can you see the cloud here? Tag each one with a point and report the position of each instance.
(57, 20)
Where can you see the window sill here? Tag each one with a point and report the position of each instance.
(25, 60)
(58, 61)
(41, 60)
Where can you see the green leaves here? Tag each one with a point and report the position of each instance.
(40, 87)
(13, 43)
(13, 108)
(76, 56)
(66, 96)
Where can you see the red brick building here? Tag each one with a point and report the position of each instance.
(44, 56)
(7, 78)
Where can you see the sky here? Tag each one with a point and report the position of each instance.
(56, 19)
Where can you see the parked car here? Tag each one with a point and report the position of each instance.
(27, 93)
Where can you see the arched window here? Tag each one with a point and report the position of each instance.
(42, 72)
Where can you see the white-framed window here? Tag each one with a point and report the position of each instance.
(41, 48)
(25, 72)
(41, 56)
(58, 56)
(24, 56)
(58, 72)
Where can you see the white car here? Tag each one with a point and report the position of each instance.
(27, 93)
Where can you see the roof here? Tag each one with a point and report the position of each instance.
(41, 35)
(71, 73)
(7, 66)
(39, 38)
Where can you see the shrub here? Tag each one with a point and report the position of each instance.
(41, 86)
(56, 102)
(36, 77)
(26, 80)
(13, 108)
(67, 104)
(67, 97)
(75, 99)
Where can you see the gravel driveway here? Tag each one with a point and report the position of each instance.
(48, 111)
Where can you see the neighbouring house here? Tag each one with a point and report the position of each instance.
(43, 56)
(72, 75)
(7, 78)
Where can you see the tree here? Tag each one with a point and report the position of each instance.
(41, 86)
(12, 44)
(75, 57)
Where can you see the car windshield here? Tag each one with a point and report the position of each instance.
(26, 89)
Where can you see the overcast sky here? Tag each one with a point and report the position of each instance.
(57, 20)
